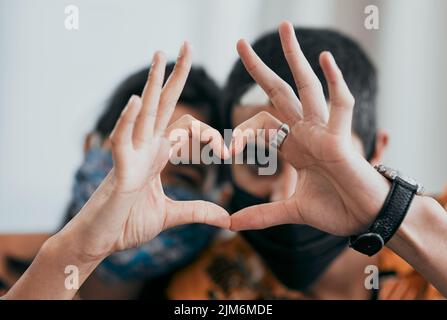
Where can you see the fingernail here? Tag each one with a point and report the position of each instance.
(154, 59)
(332, 59)
(182, 50)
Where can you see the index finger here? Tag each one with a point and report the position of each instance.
(280, 93)
(173, 87)
(307, 83)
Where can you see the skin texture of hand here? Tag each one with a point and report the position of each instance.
(337, 191)
(129, 208)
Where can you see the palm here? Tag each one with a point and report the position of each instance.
(139, 226)
(316, 197)
(130, 207)
(317, 200)
(319, 146)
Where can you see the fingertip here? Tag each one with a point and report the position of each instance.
(286, 28)
(242, 46)
(188, 46)
(221, 217)
(329, 66)
(235, 223)
(159, 57)
(284, 25)
(185, 49)
(135, 99)
(226, 152)
(134, 105)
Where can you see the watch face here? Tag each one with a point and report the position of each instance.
(392, 174)
(368, 243)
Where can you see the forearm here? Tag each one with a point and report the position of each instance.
(422, 241)
(48, 276)
(65, 261)
(422, 237)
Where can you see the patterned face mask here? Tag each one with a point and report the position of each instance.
(170, 250)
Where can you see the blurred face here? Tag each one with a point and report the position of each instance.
(280, 185)
(198, 178)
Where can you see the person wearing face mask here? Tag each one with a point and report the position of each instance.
(337, 192)
(124, 274)
(298, 261)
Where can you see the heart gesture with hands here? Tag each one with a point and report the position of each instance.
(337, 191)
(130, 208)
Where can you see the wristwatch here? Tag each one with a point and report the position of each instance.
(390, 217)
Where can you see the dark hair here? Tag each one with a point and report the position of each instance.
(358, 71)
(200, 91)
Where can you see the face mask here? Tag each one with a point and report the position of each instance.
(171, 249)
(296, 254)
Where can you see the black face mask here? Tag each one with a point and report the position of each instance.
(296, 254)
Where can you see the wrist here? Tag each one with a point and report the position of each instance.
(362, 188)
(66, 243)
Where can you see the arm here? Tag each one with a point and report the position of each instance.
(337, 191)
(422, 241)
(129, 208)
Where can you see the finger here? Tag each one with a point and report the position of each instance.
(197, 211)
(340, 98)
(173, 87)
(188, 127)
(122, 133)
(280, 93)
(265, 215)
(250, 128)
(308, 86)
(144, 126)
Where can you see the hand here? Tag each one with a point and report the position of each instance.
(337, 190)
(130, 208)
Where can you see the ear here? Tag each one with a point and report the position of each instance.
(381, 145)
(94, 140)
(88, 142)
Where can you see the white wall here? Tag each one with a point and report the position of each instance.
(54, 82)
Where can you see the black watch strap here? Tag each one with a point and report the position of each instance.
(388, 220)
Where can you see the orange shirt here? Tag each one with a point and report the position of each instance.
(232, 270)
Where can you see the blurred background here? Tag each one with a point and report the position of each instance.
(54, 82)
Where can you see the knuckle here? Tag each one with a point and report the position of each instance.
(350, 100)
(113, 139)
(187, 118)
(264, 114)
(154, 78)
(167, 101)
(252, 67)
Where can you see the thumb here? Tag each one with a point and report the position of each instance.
(197, 211)
(265, 215)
